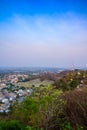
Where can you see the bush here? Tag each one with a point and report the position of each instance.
(11, 125)
(76, 107)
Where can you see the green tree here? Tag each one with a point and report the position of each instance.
(73, 84)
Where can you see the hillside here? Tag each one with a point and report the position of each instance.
(58, 102)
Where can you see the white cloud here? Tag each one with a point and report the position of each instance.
(44, 40)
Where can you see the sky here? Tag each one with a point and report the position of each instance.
(43, 33)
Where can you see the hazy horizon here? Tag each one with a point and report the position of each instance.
(40, 33)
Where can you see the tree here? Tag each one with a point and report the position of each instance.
(73, 84)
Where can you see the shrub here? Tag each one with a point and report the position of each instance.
(76, 107)
(11, 125)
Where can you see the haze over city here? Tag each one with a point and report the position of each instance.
(48, 33)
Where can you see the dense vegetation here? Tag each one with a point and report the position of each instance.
(61, 106)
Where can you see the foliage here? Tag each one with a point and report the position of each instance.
(57, 107)
(76, 107)
(11, 125)
(31, 128)
(14, 125)
(73, 84)
(62, 84)
(69, 82)
(39, 109)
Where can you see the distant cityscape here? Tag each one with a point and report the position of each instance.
(11, 89)
(18, 83)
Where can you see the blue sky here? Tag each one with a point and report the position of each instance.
(50, 33)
